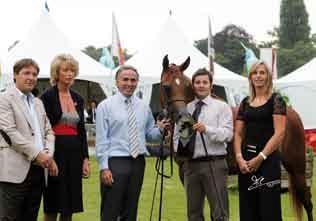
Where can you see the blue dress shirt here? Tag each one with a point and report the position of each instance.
(112, 128)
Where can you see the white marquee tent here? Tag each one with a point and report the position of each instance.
(300, 87)
(43, 42)
(171, 40)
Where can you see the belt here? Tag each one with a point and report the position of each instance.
(208, 158)
(128, 157)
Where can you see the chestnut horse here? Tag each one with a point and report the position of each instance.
(176, 91)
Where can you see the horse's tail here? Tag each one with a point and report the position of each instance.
(295, 195)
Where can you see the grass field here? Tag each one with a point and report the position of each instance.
(174, 204)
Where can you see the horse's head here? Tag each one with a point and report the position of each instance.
(176, 91)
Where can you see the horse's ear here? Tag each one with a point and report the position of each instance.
(165, 62)
(185, 64)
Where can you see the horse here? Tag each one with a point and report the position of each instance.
(176, 91)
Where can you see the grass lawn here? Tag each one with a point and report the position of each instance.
(174, 204)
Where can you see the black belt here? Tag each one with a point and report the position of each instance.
(208, 158)
(128, 157)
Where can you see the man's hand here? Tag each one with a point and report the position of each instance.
(106, 177)
(53, 169)
(200, 127)
(163, 124)
(43, 159)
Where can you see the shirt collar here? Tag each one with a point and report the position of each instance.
(23, 95)
(124, 98)
(207, 100)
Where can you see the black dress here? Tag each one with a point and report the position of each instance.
(259, 192)
(64, 192)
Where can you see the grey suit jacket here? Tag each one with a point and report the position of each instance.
(15, 121)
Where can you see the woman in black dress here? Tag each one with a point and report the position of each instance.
(64, 108)
(260, 128)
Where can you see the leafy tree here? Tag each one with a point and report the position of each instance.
(93, 52)
(291, 59)
(274, 34)
(229, 52)
(294, 25)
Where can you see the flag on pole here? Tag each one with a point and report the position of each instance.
(210, 47)
(269, 56)
(46, 6)
(106, 59)
(250, 58)
(116, 49)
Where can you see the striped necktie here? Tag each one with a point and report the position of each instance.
(132, 130)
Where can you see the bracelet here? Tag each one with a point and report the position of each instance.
(263, 155)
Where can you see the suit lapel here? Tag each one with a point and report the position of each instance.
(20, 103)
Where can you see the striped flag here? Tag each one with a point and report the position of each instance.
(116, 49)
(250, 57)
(106, 59)
(210, 47)
(269, 56)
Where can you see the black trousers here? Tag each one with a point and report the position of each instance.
(120, 201)
(21, 202)
(259, 192)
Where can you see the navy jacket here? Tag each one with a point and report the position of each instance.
(53, 109)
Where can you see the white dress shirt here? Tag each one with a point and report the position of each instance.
(218, 119)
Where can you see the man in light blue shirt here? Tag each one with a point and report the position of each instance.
(123, 125)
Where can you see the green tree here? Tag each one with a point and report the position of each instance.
(291, 59)
(229, 52)
(294, 25)
(93, 52)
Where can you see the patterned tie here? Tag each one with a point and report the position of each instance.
(195, 115)
(132, 130)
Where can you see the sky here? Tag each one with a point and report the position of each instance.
(88, 22)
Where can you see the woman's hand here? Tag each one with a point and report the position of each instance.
(243, 166)
(254, 163)
(86, 168)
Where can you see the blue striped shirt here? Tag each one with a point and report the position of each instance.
(112, 128)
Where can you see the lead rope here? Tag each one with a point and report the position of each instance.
(213, 178)
(160, 172)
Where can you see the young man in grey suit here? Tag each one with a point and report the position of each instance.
(205, 169)
(26, 146)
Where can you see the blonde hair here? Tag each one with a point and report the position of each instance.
(268, 86)
(56, 63)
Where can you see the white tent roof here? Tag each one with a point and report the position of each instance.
(43, 43)
(305, 73)
(173, 42)
(300, 87)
